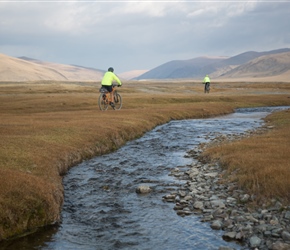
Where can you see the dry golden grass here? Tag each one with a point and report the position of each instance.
(260, 164)
(47, 127)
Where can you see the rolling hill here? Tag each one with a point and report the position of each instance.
(181, 68)
(131, 74)
(27, 69)
(222, 67)
(263, 66)
(271, 65)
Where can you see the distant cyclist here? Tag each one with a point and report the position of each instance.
(107, 82)
(206, 82)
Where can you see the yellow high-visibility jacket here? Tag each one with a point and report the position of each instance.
(206, 79)
(109, 78)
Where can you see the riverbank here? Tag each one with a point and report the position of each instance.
(46, 128)
(213, 191)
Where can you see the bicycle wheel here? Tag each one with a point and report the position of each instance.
(118, 101)
(206, 88)
(103, 102)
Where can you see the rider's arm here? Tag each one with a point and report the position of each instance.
(116, 78)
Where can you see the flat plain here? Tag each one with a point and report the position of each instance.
(47, 127)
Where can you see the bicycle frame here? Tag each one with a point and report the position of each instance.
(105, 98)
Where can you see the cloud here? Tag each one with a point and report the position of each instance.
(133, 35)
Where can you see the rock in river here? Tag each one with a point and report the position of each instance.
(143, 189)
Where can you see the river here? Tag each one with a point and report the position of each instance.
(103, 211)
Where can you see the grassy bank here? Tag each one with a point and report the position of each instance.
(48, 127)
(259, 164)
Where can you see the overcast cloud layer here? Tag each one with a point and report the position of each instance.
(130, 35)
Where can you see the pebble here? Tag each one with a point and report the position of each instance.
(226, 207)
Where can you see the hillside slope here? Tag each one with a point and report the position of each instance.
(25, 69)
(264, 66)
(131, 74)
(216, 67)
(181, 68)
(273, 64)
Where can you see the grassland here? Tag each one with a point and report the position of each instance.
(48, 127)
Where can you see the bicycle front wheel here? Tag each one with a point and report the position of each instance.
(118, 101)
(103, 102)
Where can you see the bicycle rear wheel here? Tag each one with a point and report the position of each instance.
(103, 102)
(118, 101)
(206, 88)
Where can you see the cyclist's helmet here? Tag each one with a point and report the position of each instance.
(111, 69)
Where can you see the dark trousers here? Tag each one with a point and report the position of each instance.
(108, 87)
(206, 86)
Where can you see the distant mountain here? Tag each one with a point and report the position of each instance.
(28, 69)
(131, 74)
(251, 64)
(30, 59)
(198, 67)
(264, 66)
(180, 68)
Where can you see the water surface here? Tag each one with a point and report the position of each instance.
(103, 211)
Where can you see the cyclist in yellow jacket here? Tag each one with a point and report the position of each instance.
(107, 82)
(206, 82)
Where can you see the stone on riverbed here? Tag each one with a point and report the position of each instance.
(143, 189)
(227, 207)
(280, 246)
(226, 248)
(217, 225)
(255, 241)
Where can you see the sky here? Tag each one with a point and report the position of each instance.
(139, 35)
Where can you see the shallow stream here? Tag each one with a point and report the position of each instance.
(103, 211)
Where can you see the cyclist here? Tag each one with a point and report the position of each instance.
(107, 82)
(206, 82)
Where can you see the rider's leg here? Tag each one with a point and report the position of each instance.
(110, 90)
(206, 87)
(111, 97)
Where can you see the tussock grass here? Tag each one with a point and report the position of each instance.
(48, 127)
(260, 164)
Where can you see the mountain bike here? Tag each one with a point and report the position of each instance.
(206, 87)
(104, 99)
